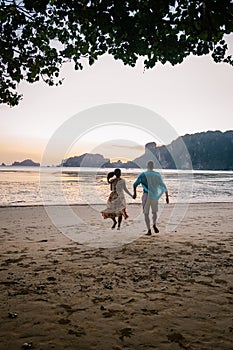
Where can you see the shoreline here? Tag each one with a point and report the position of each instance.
(103, 204)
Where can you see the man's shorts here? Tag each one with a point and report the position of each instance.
(148, 202)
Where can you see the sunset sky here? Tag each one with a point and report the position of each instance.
(192, 97)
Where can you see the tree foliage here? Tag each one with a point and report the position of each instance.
(38, 36)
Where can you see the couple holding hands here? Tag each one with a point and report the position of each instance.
(153, 188)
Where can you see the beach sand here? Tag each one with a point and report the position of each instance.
(173, 290)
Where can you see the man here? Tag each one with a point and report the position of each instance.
(153, 188)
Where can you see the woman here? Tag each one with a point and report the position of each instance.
(116, 204)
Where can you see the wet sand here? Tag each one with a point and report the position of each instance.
(168, 291)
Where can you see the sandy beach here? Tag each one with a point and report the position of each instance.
(168, 291)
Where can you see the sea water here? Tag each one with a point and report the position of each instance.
(62, 185)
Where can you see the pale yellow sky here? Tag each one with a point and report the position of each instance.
(113, 141)
(192, 97)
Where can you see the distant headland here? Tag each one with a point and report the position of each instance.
(26, 162)
(211, 150)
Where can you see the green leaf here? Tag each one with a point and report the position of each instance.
(84, 48)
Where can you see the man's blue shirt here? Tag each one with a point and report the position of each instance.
(152, 183)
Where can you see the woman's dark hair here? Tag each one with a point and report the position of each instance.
(117, 172)
(111, 174)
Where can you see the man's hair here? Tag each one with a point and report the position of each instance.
(150, 165)
(117, 172)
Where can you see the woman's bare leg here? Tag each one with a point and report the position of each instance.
(119, 222)
(114, 223)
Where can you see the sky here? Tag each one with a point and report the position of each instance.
(191, 97)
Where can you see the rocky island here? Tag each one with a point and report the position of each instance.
(211, 150)
(26, 162)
